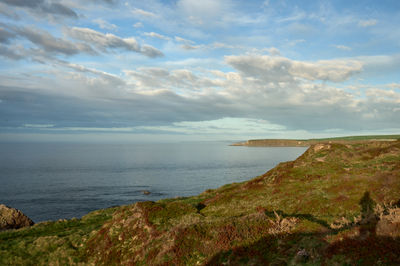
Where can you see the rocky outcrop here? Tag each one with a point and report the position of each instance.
(11, 218)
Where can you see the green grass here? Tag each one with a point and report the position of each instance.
(46, 243)
(335, 139)
(357, 138)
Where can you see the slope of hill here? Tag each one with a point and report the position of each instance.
(336, 203)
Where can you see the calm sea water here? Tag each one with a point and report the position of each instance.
(50, 181)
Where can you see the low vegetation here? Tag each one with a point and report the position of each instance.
(338, 203)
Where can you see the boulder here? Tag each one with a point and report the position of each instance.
(11, 218)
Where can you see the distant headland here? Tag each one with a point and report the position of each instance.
(309, 142)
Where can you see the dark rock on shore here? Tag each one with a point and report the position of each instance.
(11, 218)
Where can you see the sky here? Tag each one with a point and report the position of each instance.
(114, 70)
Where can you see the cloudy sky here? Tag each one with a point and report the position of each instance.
(196, 70)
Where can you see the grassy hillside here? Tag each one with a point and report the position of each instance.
(335, 204)
(357, 138)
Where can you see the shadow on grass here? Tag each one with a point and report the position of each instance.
(285, 249)
(367, 248)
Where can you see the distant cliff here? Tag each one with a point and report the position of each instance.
(274, 143)
(309, 142)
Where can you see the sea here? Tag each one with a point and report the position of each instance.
(52, 181)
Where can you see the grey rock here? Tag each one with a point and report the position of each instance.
(11, 218)
(302, 256)
(146, 192)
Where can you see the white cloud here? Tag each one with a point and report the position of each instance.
(274, 51)
(188, 44)
(178, 80)
(143, 13)
(383, 95)
(138, 25)
(282, 69)
(190, 47)
(180, 39)
(367, 23)
(38, 125)
(156, 35)
(394, 85)
(105, 24)
(218, 45)
(103, 41)
(107, 41)
(343, 47)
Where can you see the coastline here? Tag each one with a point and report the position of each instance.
(335, 203)
(309, 142)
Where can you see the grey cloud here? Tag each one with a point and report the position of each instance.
(108, 41)
(59, 9)
(158, 96)
(151, 51)
(42, 6)
(297, 104)
(51, 44)
(21, 106)
(88, 38)
(8, 12)
(268, 68)
(112, 80)
(5, 35)
(9, 53)
(306, 106)
(24, 3)
(190, 47)
(103, 41)
(281, 69)
(181, 79)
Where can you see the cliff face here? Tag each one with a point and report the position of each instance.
(274, 143)
(335, 204)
